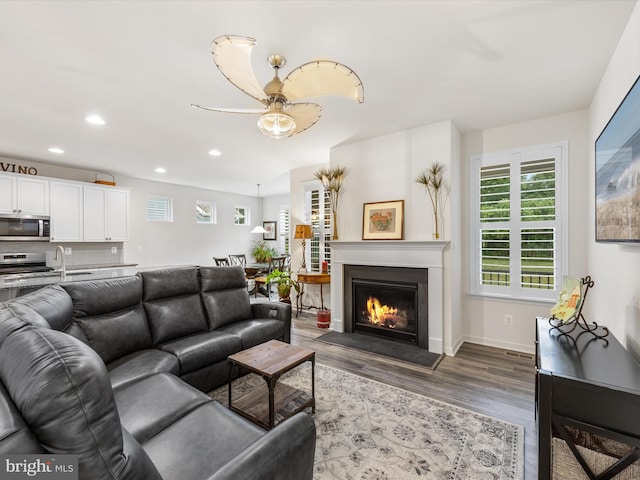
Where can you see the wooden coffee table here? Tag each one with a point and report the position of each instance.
(271, 360)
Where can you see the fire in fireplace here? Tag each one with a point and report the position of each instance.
(390, 302)
(387, 309)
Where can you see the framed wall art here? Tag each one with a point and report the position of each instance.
(271, 230)
(617, 167)
(383, 220)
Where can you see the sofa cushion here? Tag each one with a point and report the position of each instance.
(114, 335)
(172, 303)
(97, 297)
(149, 406)
(167, 283)
(172, 318)
(15, 436)
(209, 428)
(141, 364)
(62, 390)
(52, 303)
(202, 349)
(254, 332)
(110, 314)
(225, 295)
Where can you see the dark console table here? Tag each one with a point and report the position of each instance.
(586, 383)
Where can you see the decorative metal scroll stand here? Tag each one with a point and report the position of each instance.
(578, 319)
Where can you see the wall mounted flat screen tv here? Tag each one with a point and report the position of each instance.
(618, 173)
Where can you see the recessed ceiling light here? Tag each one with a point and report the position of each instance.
(57, 150)
(215, 153)
(95, 120)
(161, 170)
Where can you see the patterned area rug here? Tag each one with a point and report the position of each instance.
(372, 431)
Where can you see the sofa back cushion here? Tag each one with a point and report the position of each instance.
(54, 304)
(61, 388)
(111, 315)
(225, 295)
(172, 302)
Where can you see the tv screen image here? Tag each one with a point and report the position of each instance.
(618, 173)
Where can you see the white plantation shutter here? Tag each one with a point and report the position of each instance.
(518, 245)
(317, 214)
(283, 230)
(159, 209)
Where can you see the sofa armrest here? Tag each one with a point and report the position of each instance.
(285, 453)
(277, 311)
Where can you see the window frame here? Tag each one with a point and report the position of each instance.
(515, 158)
(169, 208)
(247, 216)
(213, 218)
(284, 220)
(320, 225)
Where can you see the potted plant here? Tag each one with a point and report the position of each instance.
(285, 283)
(261, 251)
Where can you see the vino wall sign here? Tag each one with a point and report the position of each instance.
(17, 168)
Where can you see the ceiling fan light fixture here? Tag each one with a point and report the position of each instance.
(276, 124)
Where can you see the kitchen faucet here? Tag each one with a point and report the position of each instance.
(63, 263)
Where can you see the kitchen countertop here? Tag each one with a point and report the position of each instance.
(78, 274)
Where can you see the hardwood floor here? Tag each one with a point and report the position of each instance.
(487, 380)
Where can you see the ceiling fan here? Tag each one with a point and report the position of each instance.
(280, 116)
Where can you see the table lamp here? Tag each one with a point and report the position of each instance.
(303, 232)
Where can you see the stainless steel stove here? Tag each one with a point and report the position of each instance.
(23, 263)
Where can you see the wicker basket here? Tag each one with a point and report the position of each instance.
(111, 182)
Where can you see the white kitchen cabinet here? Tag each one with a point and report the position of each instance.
(106, 214)
(67, 211)
(24, 194)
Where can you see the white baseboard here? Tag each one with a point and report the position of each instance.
(490, 342)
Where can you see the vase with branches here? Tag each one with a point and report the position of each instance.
(438, 190)
(332, 180)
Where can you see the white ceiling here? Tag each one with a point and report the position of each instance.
(140, 64)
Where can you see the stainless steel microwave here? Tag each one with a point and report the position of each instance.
(21, 228)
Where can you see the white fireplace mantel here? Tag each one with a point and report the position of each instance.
(392, 253)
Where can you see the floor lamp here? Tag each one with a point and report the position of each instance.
(303, 232)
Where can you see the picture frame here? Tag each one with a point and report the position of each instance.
(383, 220)
(272, 230)
(617, 160)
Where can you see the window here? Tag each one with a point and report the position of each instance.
(205, 212)
(159, 209)
(317, 213)
(241, 216)
(283, 227)
(518, 237)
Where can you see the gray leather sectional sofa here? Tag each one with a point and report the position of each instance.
(114, 371)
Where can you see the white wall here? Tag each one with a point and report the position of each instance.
(383, 169)
(615, 298)
(181, 242)
(271, 207)
(484, 317)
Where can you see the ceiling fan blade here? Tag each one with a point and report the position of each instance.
(305, 114)
(231, 110)
(323, 77)
(232, 56)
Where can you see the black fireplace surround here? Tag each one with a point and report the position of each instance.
(406, 288)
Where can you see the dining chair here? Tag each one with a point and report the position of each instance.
(224, 261)
(276, 263)
(238, 260)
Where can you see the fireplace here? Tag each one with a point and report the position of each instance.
(387, 301)
(386, 309)
(406, 255)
